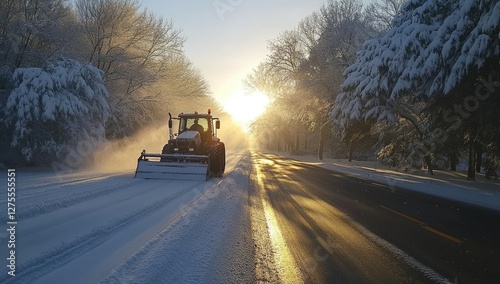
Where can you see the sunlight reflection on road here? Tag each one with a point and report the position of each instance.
(286, 265)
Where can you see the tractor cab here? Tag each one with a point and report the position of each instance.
(202, 123)
(194, 122)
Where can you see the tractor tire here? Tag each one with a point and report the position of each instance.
(217, 164)
(167, 149)
(222, 150)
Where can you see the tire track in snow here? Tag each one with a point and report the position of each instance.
(67, 198)
(211, 242)
(36, 184)
(56, 257)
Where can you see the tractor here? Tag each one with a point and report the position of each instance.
(193, 153)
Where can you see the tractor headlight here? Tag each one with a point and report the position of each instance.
(191, 149)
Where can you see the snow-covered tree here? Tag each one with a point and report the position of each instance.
(33, 31)
(53, 109)
(432, 47)
(435, 49)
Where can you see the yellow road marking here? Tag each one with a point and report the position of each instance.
(425, 226)
(446, 236)
(403, 215)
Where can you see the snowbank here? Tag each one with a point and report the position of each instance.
(450, 185)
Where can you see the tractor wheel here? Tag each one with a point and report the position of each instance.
(222, 150)
(215, 161)
(167, 149)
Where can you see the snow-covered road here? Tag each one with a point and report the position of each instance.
(87, 228)
(265, 221)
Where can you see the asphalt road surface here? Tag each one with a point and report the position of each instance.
(327, 227)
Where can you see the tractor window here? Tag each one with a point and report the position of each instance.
(187, 123)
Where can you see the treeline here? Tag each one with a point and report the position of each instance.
(88, 70)
(410, 83)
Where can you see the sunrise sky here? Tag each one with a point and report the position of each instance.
(226, 39)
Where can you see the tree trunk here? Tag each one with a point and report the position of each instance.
(351, 150)
(428, 162)
(471, 172)
(479, 157)
(321, 141)
(297, 144)
(320, 148)
(453, 161)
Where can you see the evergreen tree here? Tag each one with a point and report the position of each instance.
(53, 109)
(435, 49)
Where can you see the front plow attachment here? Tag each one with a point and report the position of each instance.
(172, 167)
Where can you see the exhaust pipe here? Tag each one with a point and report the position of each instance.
(170, 130)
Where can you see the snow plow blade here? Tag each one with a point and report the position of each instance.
(172, 167)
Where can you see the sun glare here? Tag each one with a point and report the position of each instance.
(246, 107)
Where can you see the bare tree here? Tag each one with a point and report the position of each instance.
(304, 67)
(137, 51)
(130, 46)
(382, 12)
(345, 28)
(310, 30)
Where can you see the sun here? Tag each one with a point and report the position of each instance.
(246, 107)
